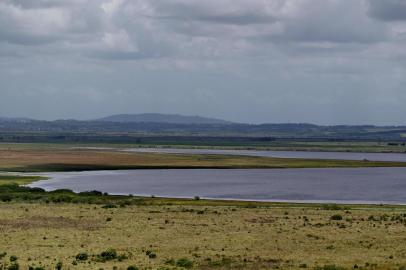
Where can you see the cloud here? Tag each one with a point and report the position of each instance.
(311, 55)
(216, 12)
(388, 10)
(332, 21)
(134, 28)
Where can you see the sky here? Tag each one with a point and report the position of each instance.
(256, 61)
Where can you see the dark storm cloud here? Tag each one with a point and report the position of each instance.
(388, 10)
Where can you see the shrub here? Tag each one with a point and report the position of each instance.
(13, 258)
(5, 198)
(109, 205)
(82, 256)
(185, 263)
(63, 190)
(91, 193)
(330, 267)
(336, 217)
(331, 207)
(107, 255)
(13, 266)
(150, 254)
(36, 268)
(37, 190)
(61, 198)
(58, 266)
(132, 267)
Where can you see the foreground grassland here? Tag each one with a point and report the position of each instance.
(39, 158)
(160, 234)
(91, 230)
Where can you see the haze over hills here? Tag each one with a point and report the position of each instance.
(15, 119)
(162, 118)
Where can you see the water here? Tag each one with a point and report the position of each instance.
(281, 154)
(355, 185)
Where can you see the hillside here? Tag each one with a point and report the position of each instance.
(162, 118)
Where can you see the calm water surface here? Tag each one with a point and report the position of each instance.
(359, 185)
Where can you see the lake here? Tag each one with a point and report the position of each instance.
(335, 185)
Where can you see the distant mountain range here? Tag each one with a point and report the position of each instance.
(162, 118)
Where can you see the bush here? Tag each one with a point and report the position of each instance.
(91, 193)
(150, 254)
(58, 266)
(37, 190)
(132, 267)
(107, 255)
(5, 198)
(332, 207)
(109, 205)
(36, 268)
(82, 256)
(61, 198)
(13, 258)
(336, 217)
(13, 266)
(330, 267)
(185, 263)
(62, 190)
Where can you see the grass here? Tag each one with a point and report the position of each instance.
(91, 230)
(34, 158)
(20, 180)
(324, 146)
(186, 235)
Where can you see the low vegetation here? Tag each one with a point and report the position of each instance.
(31, 158)
(190, 234)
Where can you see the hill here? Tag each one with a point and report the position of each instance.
(162, 118)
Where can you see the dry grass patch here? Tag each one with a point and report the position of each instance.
(203, 237)
(47, 222)
(70, 159)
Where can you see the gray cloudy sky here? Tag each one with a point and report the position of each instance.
(320, 61)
